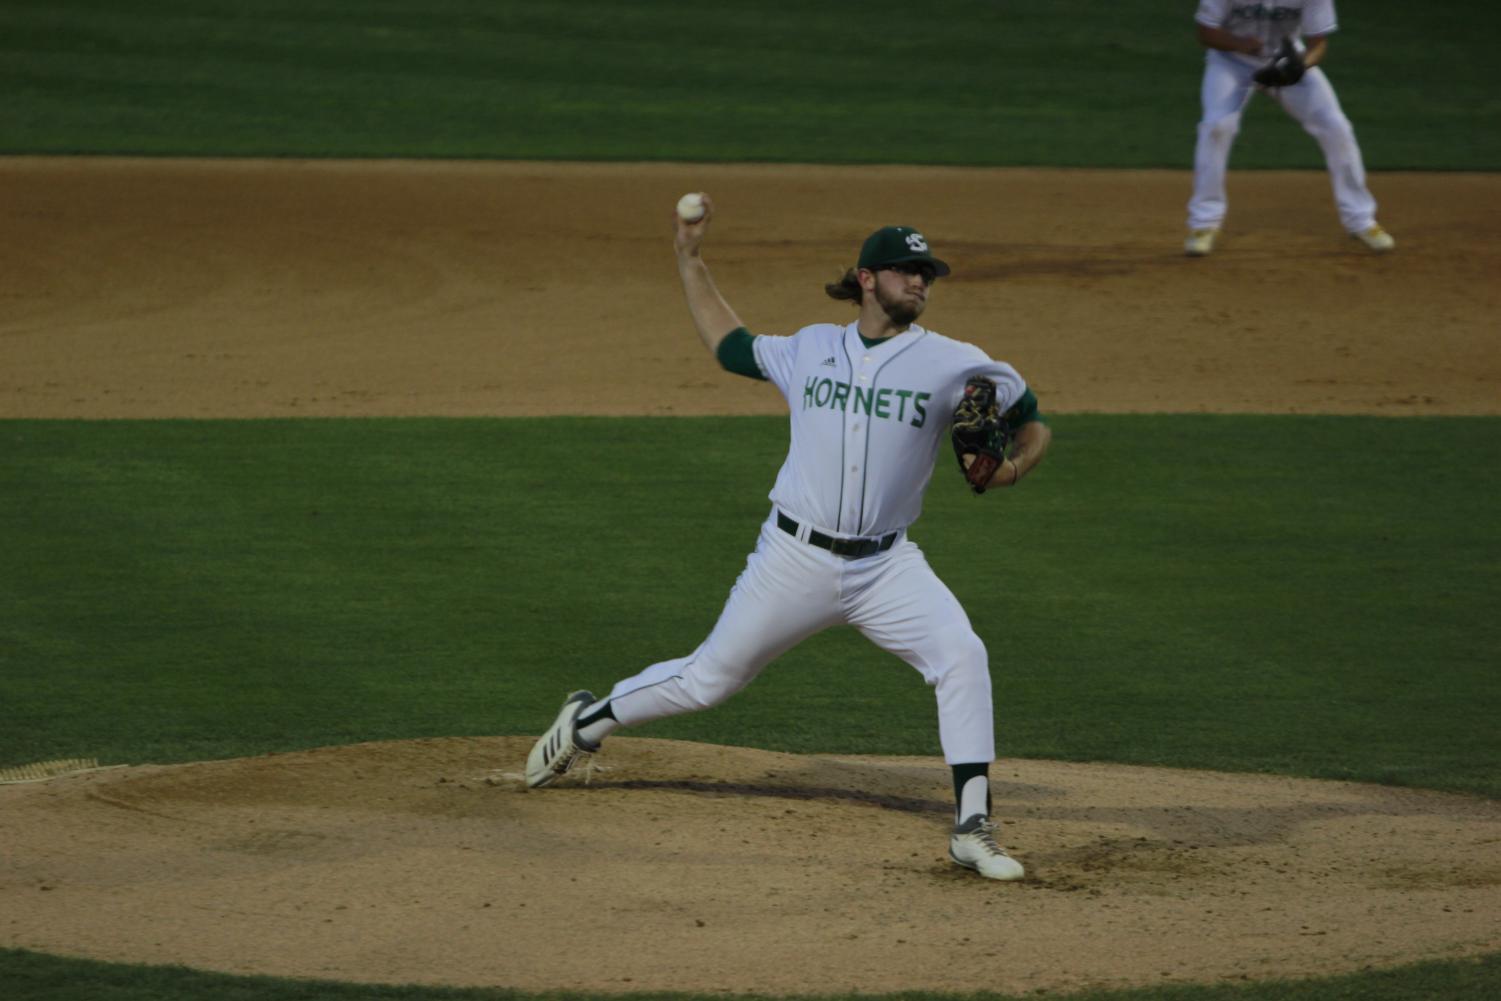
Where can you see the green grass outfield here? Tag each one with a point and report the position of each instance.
(985, 82)
(1274, 594)
(1309, 596)
(33, 977)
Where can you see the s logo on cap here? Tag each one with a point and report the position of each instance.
(892, 245)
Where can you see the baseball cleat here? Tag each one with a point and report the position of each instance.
(1200, 242)
(561, 747)
(1375, 238)
(972, 846)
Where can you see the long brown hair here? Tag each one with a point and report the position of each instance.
(846, 289)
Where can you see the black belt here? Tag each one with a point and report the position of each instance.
(849, 548)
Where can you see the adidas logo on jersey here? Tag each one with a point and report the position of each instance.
(830, 362)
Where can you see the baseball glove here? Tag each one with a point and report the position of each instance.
(979, 430)
(1285, 69)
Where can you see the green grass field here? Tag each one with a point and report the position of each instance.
(181, 590)
(33, 977)
(1295, 595)
(1066, 82)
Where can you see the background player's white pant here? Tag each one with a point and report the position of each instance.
(790, 590)
(1226, 89)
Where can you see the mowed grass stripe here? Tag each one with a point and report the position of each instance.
(1299, 595)
(1062, 83)
(30, 976)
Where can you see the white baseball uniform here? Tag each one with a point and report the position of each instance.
(1228, 86)
(867, 422)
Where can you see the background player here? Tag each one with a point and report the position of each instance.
(1242, 37)
(870, 404)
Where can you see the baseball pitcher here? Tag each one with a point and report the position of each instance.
(872, 403)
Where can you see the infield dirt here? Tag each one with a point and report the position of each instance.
(245, 288)
(234, 289)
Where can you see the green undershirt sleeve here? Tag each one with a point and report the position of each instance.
(738, 356)
(1024, 411)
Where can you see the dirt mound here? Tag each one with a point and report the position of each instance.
(681, 866)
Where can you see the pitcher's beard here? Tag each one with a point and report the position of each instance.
(903, 312)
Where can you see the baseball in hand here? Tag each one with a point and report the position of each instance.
(691, 207)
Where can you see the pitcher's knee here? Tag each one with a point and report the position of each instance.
(965, 660)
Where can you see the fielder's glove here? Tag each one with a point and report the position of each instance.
(1285, 69)
(980, 431)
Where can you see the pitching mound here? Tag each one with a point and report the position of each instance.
(688, 867)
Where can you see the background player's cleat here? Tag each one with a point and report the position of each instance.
(1375, 238)
(972, 846)
(560, 748)
(1200, 242)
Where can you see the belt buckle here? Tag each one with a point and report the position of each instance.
(850, 549)
(855, 549)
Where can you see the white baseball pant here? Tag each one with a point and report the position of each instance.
(1311, 101)
(790, 590)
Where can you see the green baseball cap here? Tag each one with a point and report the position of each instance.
(898, 245)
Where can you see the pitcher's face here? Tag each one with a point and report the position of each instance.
(902, 291)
